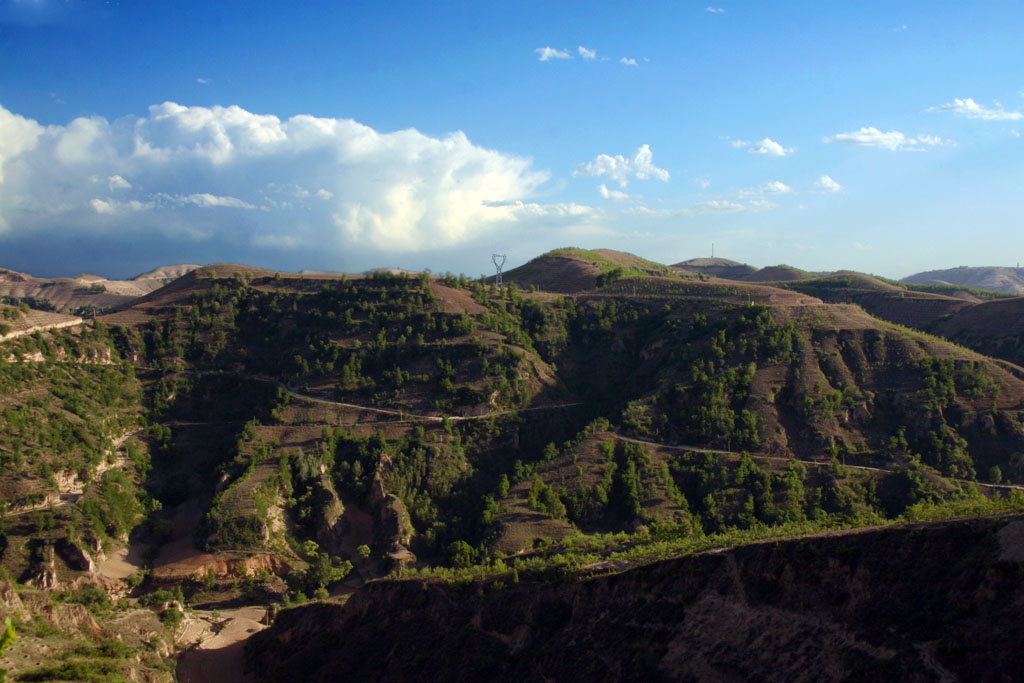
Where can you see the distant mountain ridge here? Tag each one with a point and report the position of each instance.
(86, 290)
(991, 278)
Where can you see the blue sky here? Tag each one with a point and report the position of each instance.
(881, 137)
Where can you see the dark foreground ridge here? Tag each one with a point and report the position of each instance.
(913, 603)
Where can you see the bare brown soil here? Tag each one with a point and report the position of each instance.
(221, 658)
(455, 300)
(562, 274)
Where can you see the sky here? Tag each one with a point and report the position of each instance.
(879, 137)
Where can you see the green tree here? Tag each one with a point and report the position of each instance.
(461, 554)
(6, 639)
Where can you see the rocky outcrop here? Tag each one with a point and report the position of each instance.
(44, 574)
(76, 557)
(917, 603)
(10, 603)
(330, 527)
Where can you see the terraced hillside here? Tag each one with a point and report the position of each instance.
(252, 437)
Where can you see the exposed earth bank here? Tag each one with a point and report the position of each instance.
(915, 603)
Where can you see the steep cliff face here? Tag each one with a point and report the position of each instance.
(922, 602)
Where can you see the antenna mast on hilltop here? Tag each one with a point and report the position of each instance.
(712, 250)
(499, 262)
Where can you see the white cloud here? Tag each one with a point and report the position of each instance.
(703, 183)
(774, 187)
(101, 206)
(199, 172)
(209, 201)
(967, 107)
(614, 195)
(714, 10)
(585, 53)
(826, 184)
(726, 206)
(619, 168)
(892, 140)
(546, 53)
(17, 134)
(711, 206)
(116, 182)
(203, 81)
(769, 147)
(628, 61)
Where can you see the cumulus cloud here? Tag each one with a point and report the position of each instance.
(619, 169)
(17, 134)
(586, 53)
(628, 61)
(968, 108)
(202, 173)
(892, 140)
(826, 184)
(765, 146)
(770, 148)
(546, 53)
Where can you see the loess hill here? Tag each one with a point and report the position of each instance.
(252, 437)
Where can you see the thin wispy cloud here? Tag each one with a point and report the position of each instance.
(714, 10)
(892, 140)
(970, 109)
(620, 169)
(709, 207)
(615, 195)
(771, 187)
(203, 81)
(727, 206)
(628, 61)
(586, 53)
(548, 53)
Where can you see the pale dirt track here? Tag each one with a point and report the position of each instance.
(404, 415)
(784, 459)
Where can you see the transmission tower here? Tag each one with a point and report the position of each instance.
(499, 262)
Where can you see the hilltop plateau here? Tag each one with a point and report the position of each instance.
(245, 439)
